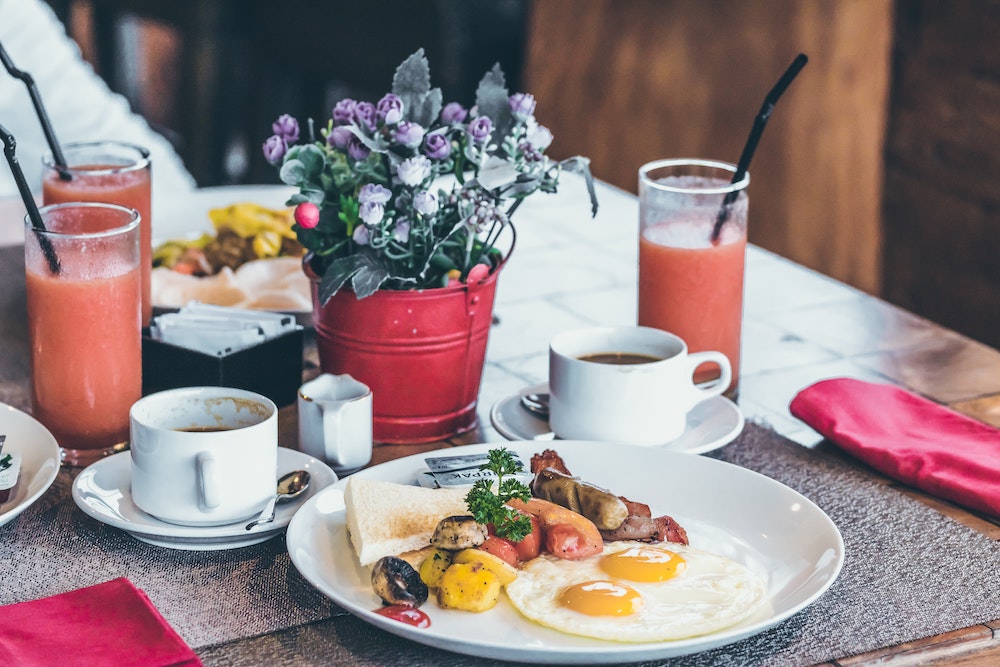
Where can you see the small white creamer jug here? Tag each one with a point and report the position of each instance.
(335, 421)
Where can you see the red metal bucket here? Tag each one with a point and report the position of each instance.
(420, 351)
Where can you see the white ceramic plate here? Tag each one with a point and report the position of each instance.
(103, 491)
(39, 459)
(725, 509)
(710, 425)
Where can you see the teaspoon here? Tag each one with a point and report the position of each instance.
(291, 485)
(536, 404)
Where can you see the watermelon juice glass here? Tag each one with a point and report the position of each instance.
(84, 325)
(689, 283)
(114, 173)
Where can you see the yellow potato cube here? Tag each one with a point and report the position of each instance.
(433, 567)
(469, 587)
(505, 572)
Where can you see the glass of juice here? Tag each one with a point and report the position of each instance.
(84, 290)
(110, 172)
(690, 273)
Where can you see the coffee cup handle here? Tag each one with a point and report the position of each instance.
(722, 383)
(208, 481)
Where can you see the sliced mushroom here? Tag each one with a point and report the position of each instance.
(455, 533)
(396, 582)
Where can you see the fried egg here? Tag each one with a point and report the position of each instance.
(638, 592)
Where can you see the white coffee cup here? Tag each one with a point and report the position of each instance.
(203, 456)
(335, 421)
(633, 385)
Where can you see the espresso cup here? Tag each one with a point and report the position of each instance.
(633, 385)
(203, 456)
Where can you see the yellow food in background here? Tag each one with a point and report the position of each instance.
(243, 232)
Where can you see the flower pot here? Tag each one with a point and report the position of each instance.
(421, 352)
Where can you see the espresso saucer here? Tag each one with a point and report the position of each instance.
(711, 424)
(103, 491)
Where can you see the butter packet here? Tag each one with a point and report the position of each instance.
(10, 468)
(463, 470)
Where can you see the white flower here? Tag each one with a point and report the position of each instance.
(371, 212)
(537, 135)
(425, 203)
(413, 171)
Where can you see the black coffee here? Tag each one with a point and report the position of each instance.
(619, 358)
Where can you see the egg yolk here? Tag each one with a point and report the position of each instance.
(650, 564)
(601, 598)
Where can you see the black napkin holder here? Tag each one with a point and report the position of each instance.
(272, 368)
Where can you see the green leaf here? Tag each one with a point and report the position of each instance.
(369, 277)
(412, 82)
(313, 160)
(492, 100)
(292, 172)
(426, 111)
(338, 273)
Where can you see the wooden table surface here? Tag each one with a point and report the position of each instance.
(569, 271)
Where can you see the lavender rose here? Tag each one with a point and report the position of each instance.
(365, 115)
(275, 149)
(437, 146)
(343, 112)
(401, 232)
(409, 134)
(361, 235)
(373, 193)
(390, 109)
(425, 203)
(522, 105)
(357, 150)
(339, 137)
(287, 128)
(453, 112)
(480, 129)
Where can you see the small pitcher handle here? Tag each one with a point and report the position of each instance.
(721, 384)
(333, 413)
(208, 482)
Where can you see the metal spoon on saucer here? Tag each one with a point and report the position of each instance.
(536, 404)
(290, 486)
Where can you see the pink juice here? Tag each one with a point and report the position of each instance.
(84, 327)
(692, 288)
(111, 184)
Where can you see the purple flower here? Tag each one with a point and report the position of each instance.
(361, 235)
(401, 232)
(340, 137)
(409, 134)
(371, 213)
(413, 171)
(425, 203)
(373, 193)
(343, 112)
(522, 105)
(480, 129)
(390, 109)
(287, 128)
(365, 115)
(275, 149)
(437, 146)
(357, 150)
(453, 112)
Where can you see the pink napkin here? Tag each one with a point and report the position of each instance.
(908, 438)
(113, 623)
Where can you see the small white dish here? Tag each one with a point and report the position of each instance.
(103, 492)
(726, 509)
(39, 460)
(711, 424)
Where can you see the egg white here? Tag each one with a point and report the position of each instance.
(712, 593)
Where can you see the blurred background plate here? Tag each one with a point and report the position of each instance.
(39, 460)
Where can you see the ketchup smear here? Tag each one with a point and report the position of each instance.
(405, 614)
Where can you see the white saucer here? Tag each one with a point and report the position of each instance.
(103, 491)
(39, 459)
(711, 424)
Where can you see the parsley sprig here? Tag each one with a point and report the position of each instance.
(489, 507)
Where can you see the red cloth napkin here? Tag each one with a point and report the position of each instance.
(908, 438)
(113, 623)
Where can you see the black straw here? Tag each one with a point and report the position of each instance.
(43, 117)
(9, 144)
(755, 132)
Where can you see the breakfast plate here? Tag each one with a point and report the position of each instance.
(728, 510)
(711, 424)
(103, 492)
(39, 460)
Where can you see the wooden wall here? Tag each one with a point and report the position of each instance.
(628, 81)
(942, 188)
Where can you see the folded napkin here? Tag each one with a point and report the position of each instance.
(113, 623)
(908, 438)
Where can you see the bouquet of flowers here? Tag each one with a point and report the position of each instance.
(409, 193)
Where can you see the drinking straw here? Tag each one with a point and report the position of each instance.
(9, 144)
(43, 117)
(751, 145)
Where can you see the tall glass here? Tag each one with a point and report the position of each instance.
(110, 172)
(84, 290)
(690, 283)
